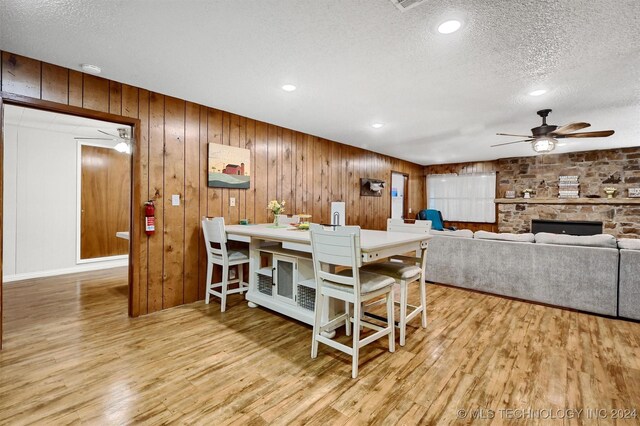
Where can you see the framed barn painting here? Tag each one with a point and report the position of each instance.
(228, 167)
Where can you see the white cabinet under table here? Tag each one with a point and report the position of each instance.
(287, 285)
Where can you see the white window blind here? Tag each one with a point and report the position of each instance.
(463, 198)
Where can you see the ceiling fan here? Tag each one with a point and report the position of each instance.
(123, 146)
(545, 137)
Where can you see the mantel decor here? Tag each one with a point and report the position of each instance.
(585, 201)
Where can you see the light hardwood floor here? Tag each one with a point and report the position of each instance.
(72, 355)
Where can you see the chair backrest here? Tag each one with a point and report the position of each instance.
(336, 246)
(215, 237)
(418, 226)
(435, 216)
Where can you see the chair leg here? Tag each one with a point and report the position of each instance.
(347, 322)
(390, 322)
(225, 280)
(316, 323)
(403, 311)
(355, 348)
(241, 277)
(208, 286)
(423, 301)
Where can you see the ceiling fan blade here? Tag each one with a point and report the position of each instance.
(517, 136)
(598, 134)
(568, 128)
(97, 139)
(509, 143)
(109, 134)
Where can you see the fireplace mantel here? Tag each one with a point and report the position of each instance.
(592, 201)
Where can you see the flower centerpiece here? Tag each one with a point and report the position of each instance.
(276, 207)
(526, 193)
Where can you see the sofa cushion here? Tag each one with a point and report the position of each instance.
(599, 240)
(629, 244)
(523, 238)
(460, 233)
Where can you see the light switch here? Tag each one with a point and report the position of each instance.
(409, 210)
(175, 199)
(232, 201)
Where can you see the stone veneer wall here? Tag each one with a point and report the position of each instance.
(618, 168)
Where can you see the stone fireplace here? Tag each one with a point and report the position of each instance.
(618, 168)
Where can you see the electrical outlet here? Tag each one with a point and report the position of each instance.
(175, 200)
(232, 201)
(409, 210)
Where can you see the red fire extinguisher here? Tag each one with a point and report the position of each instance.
(149, 217)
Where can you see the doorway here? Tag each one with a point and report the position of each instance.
(66, 195)
(399, 195)
(64, 113)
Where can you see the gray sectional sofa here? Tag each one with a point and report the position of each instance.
(629, 306)
(581, 273)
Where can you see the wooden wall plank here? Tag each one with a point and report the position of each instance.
(242, 193)
(325, 173)
(174, 226)
(95, 93)
(129, 101)
(202, 173)
(214, 135)
(143, 148)
(262, 171)
(317, 180)
(156, 193)
(75, 88)
(192, 225)
(234, 140)
(286, 176)
(115, 98)
(55, 83)
(251, 192)
(21, 75)
(272, 170)
(226, 140)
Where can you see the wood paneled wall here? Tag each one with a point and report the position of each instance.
(462, 168)
(306, 171)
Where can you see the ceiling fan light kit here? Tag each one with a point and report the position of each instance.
(123, 146)
(544, 144)
(544, 138)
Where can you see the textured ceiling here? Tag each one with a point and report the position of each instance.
(442, 97)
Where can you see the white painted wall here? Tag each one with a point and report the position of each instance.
(40, 204)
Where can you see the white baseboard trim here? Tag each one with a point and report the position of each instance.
(79, 268)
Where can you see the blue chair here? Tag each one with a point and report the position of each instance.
(435, 216)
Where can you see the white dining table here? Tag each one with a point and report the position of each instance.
(375, 245)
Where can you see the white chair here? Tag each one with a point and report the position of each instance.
(340, 247)
(406, 270)
(215, 239)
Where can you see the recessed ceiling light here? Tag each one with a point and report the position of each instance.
(449, 27)
(289, 87)
(538, 92)
(377, 125)
(91, 69)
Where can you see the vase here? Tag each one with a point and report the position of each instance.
(276, 220)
